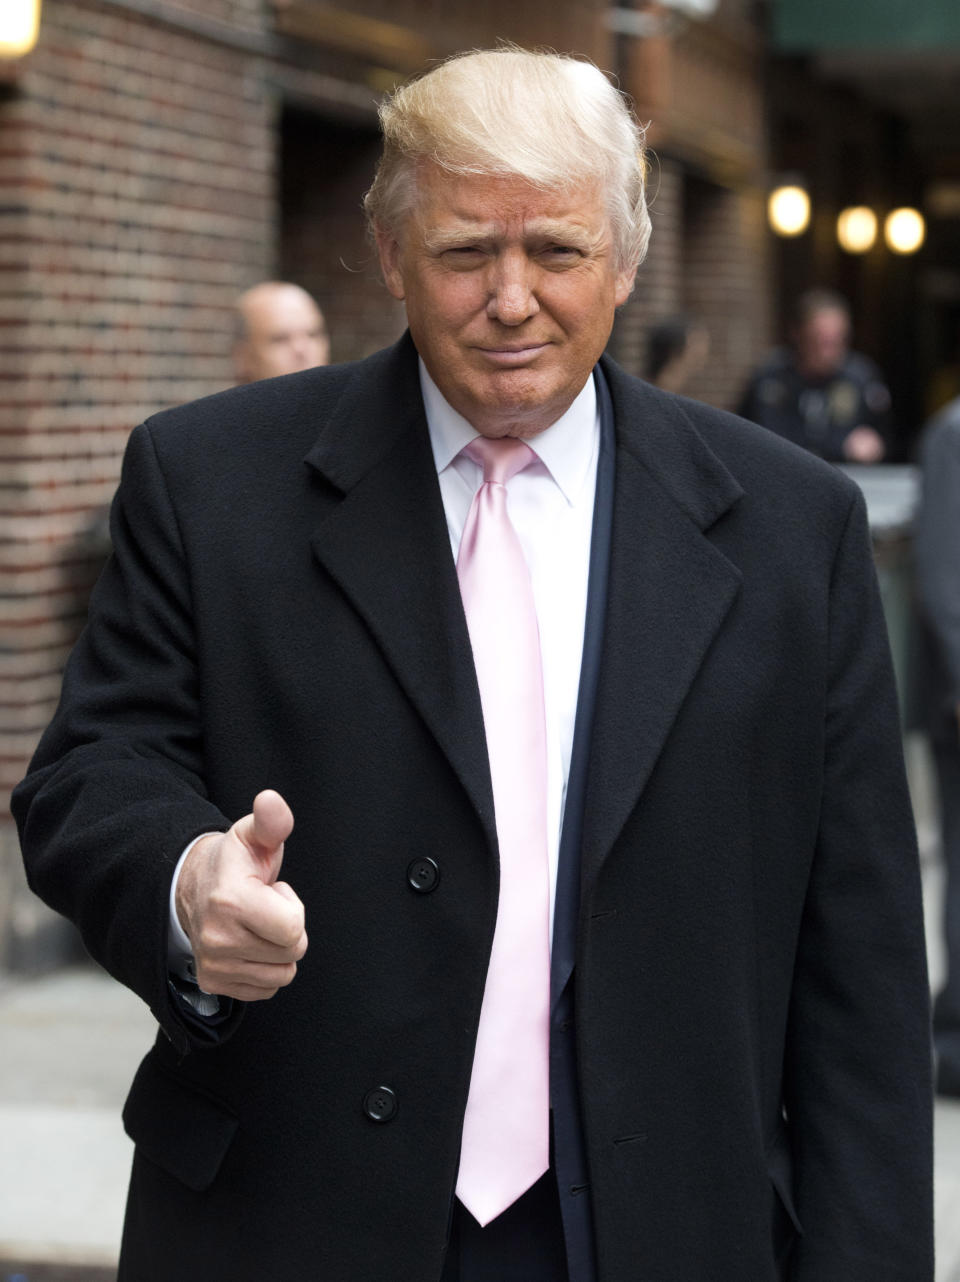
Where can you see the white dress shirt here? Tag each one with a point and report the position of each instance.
(550, 505)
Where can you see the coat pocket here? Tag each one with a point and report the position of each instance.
(180, 1129)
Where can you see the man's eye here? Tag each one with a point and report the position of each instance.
(561, 253)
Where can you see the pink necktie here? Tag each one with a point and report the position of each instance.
(505, 1130)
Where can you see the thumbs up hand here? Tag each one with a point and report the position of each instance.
(245, 927)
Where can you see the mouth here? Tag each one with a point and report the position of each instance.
(513, 354)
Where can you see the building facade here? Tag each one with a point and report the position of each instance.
(157, 157)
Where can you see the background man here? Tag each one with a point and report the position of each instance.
(582, 701)
(280, 330)
(677, 350)
(817, 392)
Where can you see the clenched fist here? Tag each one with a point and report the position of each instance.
(246, 928)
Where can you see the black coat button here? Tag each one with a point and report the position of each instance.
(423, 874)
(380, 1104)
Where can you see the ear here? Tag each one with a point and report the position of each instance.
(624, 285)
(388, 247)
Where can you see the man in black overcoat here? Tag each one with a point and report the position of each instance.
(739, 1060)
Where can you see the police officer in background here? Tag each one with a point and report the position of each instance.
(817, 392)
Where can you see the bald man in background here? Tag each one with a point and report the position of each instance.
(280, 330)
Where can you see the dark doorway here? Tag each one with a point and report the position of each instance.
(325, 168)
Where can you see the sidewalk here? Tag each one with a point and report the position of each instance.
(947, 1119)
(70, 1045)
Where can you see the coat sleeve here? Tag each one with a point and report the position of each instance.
(858, 1094)
(116, 788)
(937, 545)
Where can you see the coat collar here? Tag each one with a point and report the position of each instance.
(657, 429)
(380, 403)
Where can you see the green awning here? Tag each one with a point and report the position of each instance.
(905, 25)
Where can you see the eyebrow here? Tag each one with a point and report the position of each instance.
(439, 238)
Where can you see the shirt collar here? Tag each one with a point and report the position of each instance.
(567, 448)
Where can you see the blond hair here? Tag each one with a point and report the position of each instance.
(553, 120)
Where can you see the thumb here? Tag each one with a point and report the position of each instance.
(265, 830)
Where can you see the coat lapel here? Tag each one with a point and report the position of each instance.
(669, 592)
(385, 543)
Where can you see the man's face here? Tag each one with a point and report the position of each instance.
(822, 343)
(510, 294)
(285, 333)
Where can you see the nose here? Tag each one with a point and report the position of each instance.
(512, 296)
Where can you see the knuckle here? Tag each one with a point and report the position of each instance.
(212, 942)
(222, 903)
(203, 943)
(292, 930)
(208, 980)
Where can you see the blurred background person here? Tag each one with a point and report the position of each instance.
(817, 392)
(280, 330)
(944, 384)
(937, 550)
(677, 349)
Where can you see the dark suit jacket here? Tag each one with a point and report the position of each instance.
(750, 992)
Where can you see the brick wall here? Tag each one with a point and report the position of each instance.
(159, 156)
(137, 173)
(700, 91)
(658, 292)
(726, 269)
(708, 260)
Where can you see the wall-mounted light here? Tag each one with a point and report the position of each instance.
(788, 210)
(857, 229)
(19, 27)
(904, 230)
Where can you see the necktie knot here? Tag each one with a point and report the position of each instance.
(500, 458)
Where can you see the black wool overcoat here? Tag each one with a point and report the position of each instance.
(282, 611)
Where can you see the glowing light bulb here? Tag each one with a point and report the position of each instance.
(904, 230)
(788, 210)
(19, 27)
(857, 229)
